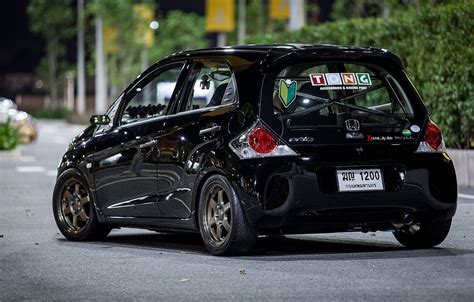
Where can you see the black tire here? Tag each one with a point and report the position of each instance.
(84, 229)
(429, 235)
(241, 236)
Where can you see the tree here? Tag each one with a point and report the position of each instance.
(178, 31)
(54, 20)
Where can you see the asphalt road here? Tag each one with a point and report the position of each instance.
(37, 263)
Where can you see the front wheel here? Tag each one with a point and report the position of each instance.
(224, 227)
(74, 209)
(428, 235)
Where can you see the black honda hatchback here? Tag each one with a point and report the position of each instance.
(239, 141)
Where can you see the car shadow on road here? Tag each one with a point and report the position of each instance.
(277, 248)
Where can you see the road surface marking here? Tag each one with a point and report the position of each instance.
(466, 196)
(30, 169)
(51, 173)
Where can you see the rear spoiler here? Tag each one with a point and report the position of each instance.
(275, 60)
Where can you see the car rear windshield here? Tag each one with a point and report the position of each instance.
(325, 94)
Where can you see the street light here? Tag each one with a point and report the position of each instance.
(154, 25)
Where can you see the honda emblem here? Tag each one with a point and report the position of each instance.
(352, 125)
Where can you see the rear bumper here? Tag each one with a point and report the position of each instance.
(296, 197)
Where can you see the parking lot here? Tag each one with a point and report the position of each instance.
(37, 263)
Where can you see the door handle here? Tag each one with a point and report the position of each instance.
(210, 130)
(149, 144)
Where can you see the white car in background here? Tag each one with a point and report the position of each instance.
(21, 120)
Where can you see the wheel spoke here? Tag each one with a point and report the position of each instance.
(84, 200)
(77, 189)
(220, 196)
(226, 207)
(219, 231)
(211, 222)
(65, 208)
(74, 221)
(212, 204)
(225, 224)
(67, 195)
(83, 216)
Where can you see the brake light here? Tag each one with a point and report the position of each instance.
(433, 140)
(433, 135)
(258, 141)
(261, 141)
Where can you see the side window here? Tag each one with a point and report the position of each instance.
(213, 85)
(152, 97)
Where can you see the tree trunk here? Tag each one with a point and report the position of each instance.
(52, 53)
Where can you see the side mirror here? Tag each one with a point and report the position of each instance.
(96, 120)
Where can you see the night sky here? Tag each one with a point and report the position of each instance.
(21, 50)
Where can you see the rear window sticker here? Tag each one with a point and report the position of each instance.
(363, 78)
(341, 81)
(406, 132)
(287, 92)
(415, 128)
(348, 78)
(333, 78)
(317, 79)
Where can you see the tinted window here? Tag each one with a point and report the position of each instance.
(152, 97)
(324, 94)
(213, 85)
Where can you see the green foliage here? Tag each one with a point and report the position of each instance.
(55, 21)
(179, 31)
(123, 63)
(59, 113)
(48, 16)
(9, 136)
(436, 45)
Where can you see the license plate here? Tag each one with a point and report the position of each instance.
(360, 180)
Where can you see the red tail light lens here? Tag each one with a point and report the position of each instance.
(433, 135)
(261, 141)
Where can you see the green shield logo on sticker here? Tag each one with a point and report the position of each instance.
(287, 92)
(406, 132)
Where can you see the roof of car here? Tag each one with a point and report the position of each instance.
(276, 50)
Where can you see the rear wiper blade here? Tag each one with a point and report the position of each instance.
(327, 102)
(372, 111)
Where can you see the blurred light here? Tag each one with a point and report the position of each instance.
(154, 24)
(306, 101)
(39, 84)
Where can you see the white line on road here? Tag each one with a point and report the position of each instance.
(30, 169)
(51, 173)
(466, 196)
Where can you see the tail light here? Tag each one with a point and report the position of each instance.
(433, 140)
(258, 141)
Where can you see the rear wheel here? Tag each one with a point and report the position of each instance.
(428, 235)
(74, 210)
(224, 227)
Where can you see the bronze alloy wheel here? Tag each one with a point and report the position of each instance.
(217, 220)
(74, 206)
